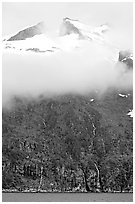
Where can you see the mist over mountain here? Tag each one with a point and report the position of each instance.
(80, 59)
(67, 104)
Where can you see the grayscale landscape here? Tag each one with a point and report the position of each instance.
(67, 102)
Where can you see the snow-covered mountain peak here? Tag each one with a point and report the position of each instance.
(74, 36)
(69, 27)
(29, 32)
(83, 31)
(69, 19)
(72, 33)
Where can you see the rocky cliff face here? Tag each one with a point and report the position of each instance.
(126, 57)
(29, 32)
(68, 27)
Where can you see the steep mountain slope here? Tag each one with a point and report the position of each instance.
(29, 32)
(70, 26)
(69, 143)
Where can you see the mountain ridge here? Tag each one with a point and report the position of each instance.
(29, 32)
(72, 33)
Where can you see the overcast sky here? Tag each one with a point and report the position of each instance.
(16, 16)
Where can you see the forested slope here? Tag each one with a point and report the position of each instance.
(68, 143)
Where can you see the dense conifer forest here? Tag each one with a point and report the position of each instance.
(69, 143)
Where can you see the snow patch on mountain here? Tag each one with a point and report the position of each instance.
(124, 96)
(38, 43)
(130, 113)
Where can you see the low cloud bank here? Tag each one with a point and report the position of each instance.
(80, 71)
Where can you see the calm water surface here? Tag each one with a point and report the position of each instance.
(67, 197)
